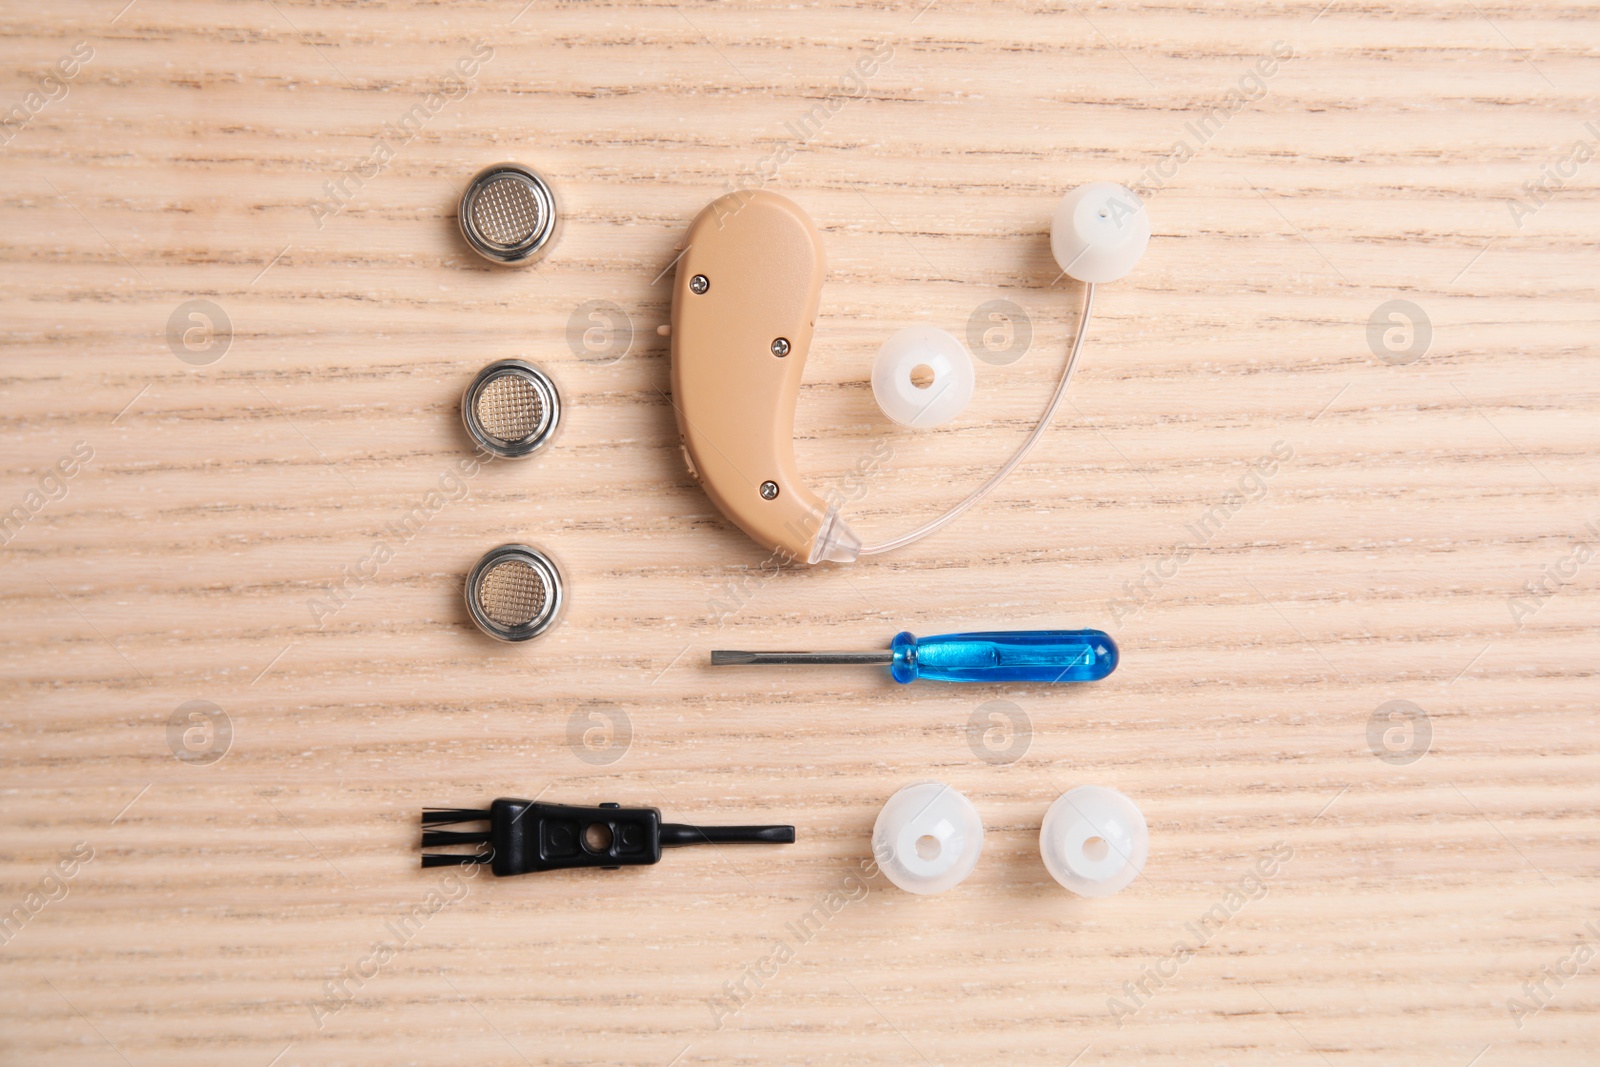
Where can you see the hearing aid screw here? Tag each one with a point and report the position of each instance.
(699, 284)
(769, 490)
(780, 347)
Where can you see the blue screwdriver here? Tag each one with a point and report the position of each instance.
(993, 656)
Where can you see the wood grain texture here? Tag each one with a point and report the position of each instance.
(187, 558)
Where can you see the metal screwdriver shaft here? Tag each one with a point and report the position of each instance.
(725, 658)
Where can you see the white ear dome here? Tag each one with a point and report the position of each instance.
(1100, 231)
(927, 838)
(912, 402)
(1094, 841)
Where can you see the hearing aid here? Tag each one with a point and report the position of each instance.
(744, 306)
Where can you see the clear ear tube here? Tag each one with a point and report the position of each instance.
(999, 476)
(1099, 232)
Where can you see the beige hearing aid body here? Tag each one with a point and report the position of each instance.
(759, 259)
(744, 303)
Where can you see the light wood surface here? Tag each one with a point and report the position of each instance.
(1380, 563)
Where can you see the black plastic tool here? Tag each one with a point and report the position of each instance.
(526, 836)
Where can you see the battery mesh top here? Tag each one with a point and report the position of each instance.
(511, 407)
(506, 212)
(512, 593)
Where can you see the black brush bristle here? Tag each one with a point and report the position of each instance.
(432, 838)
(443, 816)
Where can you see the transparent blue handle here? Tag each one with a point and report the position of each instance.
(1001, 656)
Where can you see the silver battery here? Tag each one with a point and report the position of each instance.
(514, 593)
(508, 214)
(511, 408)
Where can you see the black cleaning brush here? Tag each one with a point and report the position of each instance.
(527, 836)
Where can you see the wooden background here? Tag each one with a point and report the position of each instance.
(183, 561)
